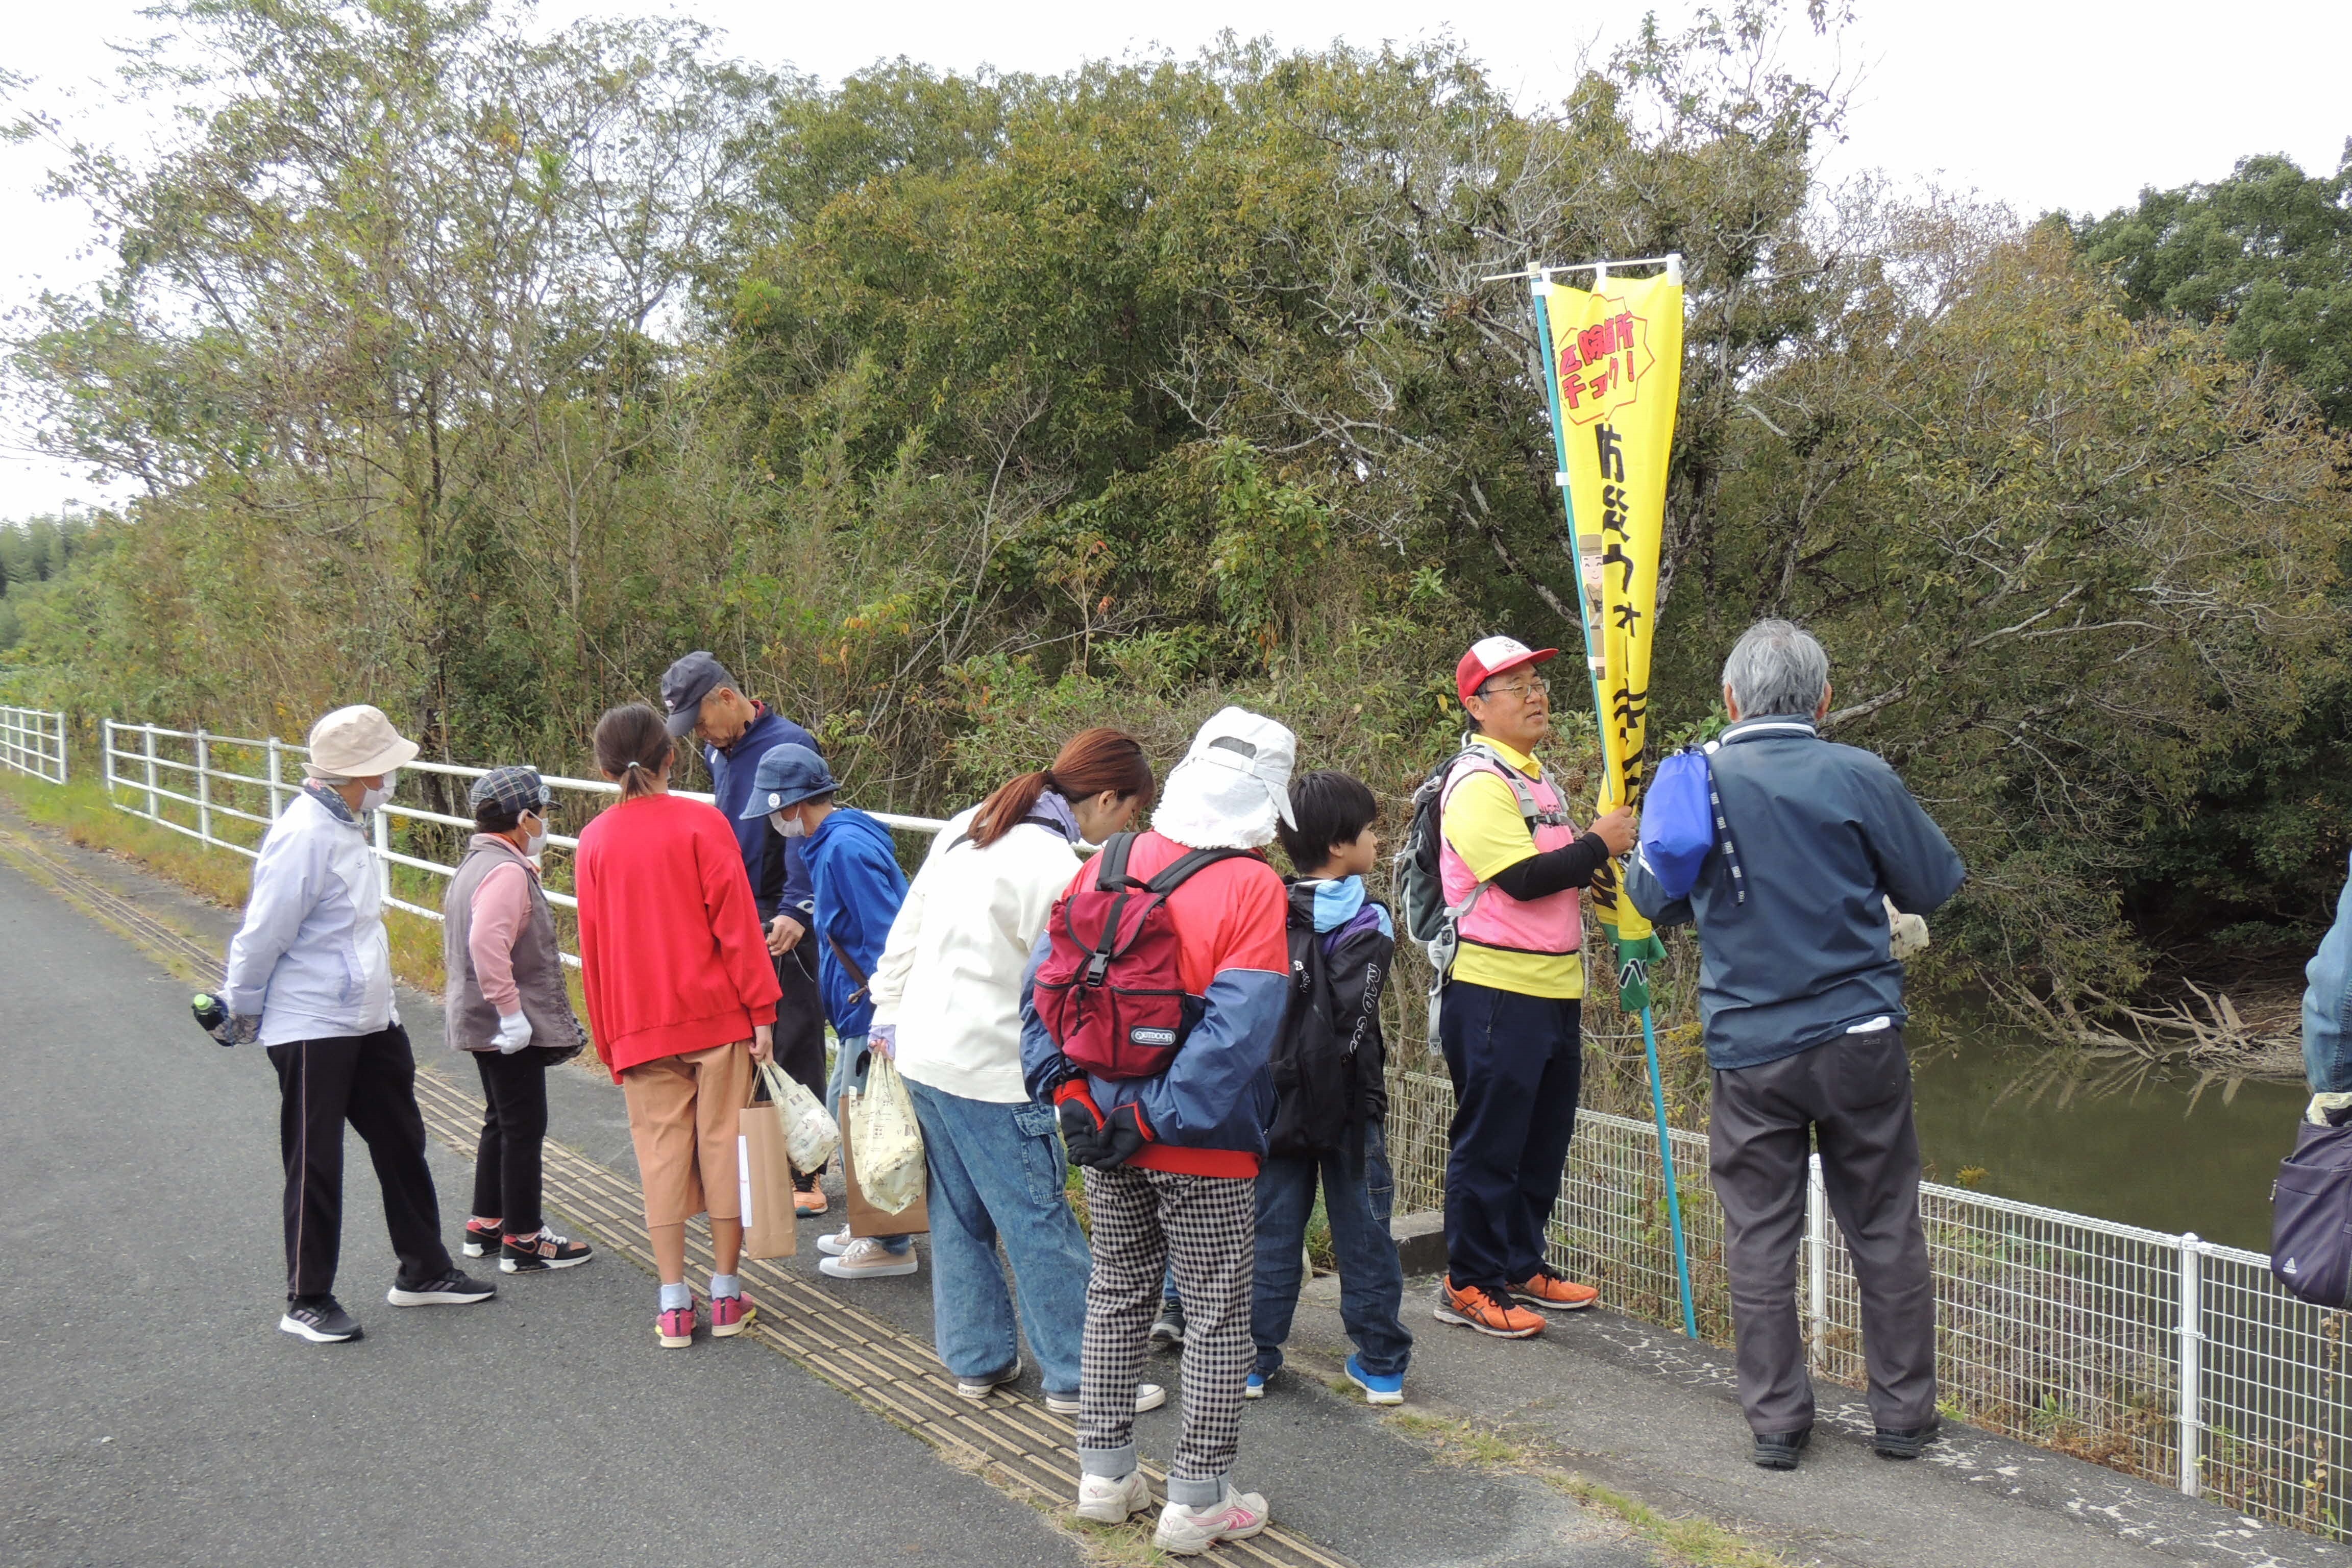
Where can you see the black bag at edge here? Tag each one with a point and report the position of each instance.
(2311, 1216)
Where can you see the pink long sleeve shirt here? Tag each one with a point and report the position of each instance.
(501, 909)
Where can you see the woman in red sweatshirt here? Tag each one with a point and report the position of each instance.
(681, 998)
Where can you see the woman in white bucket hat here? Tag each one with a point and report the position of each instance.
(310, 976)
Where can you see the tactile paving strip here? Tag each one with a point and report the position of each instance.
(1011, 1438)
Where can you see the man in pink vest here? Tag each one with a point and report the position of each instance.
(1511, 862)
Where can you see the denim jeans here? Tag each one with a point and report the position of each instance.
(1357, 1200)
(851, 1064)
(996, 1174)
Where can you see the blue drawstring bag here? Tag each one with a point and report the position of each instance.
(1678, 821)
(2311, 1216)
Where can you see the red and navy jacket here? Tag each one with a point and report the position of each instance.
(1208, 1113)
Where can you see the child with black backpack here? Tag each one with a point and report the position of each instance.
(1332, 1095)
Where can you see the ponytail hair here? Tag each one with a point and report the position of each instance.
(1090, 763)
(633, 746)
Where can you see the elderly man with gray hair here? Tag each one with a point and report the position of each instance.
(1801, 999)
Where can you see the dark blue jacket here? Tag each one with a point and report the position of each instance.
(1824, 833)
(855, 866)
(780, 877)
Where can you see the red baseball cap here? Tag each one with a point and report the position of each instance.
(1490, 656)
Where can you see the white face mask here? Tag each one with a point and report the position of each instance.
(370, 799)
(536, 845)
(789, 825)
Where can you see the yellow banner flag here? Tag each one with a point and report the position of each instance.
(1616, 369)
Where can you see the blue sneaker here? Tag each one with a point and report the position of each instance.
(1255, 1387)
(1378, 1390)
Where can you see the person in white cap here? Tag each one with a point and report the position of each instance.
(310, 976)
(1172, 1158)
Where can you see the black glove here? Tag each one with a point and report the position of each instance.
(1082, 1125)
(1124, 1136)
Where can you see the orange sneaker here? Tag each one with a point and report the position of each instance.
(1553, 1293)
(1489, 1314)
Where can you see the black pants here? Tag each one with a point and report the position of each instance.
(1852, 1095)
(369, 1080)
(507, 1166)
(1517, 1066)
(800, 1029)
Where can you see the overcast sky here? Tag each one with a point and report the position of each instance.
(2060, 103)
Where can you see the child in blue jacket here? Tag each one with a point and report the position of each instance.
(853, 871)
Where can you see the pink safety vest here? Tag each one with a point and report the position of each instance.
(1551, 924)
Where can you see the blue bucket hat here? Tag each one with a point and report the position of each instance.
(787, 776)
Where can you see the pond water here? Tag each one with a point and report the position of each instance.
(2154, 1153)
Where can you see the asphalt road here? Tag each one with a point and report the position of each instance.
(151, 1413)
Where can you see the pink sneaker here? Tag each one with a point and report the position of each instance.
(675, 1327)
(730, 1315)
(1189, 1531)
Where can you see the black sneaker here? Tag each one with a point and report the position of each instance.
(1778, 1451)
(319, 1320)
(480, 1241)
(1902, 1443)
(535, 1254)
(452, 1289)
(1168, 1329)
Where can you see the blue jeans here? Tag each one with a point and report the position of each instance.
(1357, 1200)
(851, 1064)
(996, 1172)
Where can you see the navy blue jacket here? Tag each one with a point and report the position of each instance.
(859, 887)
(780, 877)
(1825, 834)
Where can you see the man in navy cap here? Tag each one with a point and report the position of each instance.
(736, 732)
(853, 869)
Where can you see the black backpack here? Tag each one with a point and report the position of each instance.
(1320, 1061)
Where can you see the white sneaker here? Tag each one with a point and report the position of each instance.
(1108, 1500)
(1189, 1531)
(1148, 1397)
(867, 1258)
(833, 1243)
(982, 1387)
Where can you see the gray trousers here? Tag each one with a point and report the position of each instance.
(1853, 1095)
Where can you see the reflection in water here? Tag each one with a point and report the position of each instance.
(2143, 1157)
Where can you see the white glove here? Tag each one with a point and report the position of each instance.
(514, 1033)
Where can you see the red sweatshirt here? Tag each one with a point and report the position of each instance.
(671, 953)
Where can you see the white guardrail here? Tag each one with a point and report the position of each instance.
(33, 740)
(221, 806)
(2165, 1356)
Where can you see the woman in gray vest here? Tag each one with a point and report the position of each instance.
(507, 1006)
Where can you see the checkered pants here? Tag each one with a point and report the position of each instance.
(1207, 1225)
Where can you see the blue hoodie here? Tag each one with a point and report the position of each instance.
(780, 877)
(854, 867)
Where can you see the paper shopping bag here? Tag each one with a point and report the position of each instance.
(763, 1174)
(865, 1219)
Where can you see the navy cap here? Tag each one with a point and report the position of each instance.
(514, 790)
(686, 683)
(787, 776)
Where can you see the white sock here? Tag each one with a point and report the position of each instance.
(725, 1285)
(675, 1296)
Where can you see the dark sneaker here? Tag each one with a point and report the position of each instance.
(1903, 1442)
(482, 1240)
(531, 1254)
(1168, 1329)
(452, 1289)
(319, 1320)
(1778, 1451)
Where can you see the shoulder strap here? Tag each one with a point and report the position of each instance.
(1173, 875)
(842, 956)
(1530, 813)
(1110, 866)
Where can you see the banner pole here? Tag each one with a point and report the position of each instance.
(1538, 288)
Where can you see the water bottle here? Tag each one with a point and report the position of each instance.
(211, 1015)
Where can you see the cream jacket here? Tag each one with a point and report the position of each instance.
(949, 979)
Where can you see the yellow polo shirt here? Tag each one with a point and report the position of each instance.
(1482, 823)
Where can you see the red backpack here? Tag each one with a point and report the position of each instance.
(1109, 992)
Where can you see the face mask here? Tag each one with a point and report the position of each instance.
(370, 799)
(790, 826)
(536, 845)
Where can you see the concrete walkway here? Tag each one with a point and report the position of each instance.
(155, 1417)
